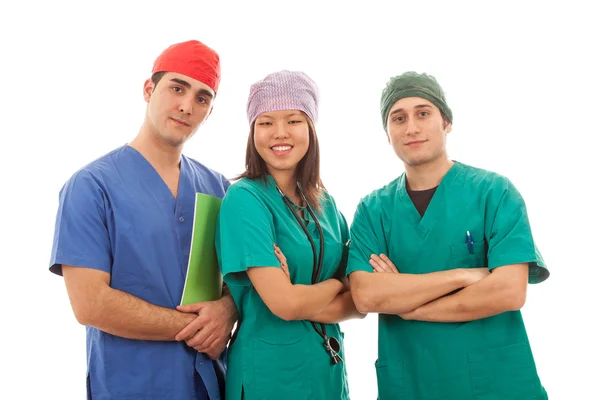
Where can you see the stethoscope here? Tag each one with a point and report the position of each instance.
(331, 344)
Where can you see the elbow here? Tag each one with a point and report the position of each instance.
(362, 293)
(362, 300)
(286, 309)
(516, 300)
(83, 314)
(88, 309)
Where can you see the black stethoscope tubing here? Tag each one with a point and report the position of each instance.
(331, 344)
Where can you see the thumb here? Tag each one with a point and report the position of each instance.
(191, 308)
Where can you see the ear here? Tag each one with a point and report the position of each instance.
(148, 89)
(448, 128)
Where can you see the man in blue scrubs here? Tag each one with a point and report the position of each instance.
(121, 242)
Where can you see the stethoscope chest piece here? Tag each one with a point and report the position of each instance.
(333, 347)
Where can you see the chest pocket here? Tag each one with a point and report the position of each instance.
(463, 258)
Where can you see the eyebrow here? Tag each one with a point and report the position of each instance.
(402, 109)
(187, 85)
(295, 113)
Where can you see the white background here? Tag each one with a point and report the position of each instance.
(520, 77)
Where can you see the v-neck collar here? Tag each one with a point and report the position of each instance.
(424, 224)
(165, 192)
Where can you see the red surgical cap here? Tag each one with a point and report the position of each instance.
(193, 59)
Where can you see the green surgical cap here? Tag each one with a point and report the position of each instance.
(411, 84)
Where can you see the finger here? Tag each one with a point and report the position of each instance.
(280, 258)
(205, 346)
(199, 338)
(389, 263)
(216, 349)
(376, 266)
(214, 355)
(380, 263)
(191, 329)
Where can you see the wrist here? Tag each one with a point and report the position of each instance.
(339, 284)
(463, 277)
(229, 305)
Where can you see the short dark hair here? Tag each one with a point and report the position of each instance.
(157, 76)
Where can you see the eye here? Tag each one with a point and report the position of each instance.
(264, 123)
(399, 119)
(202, 100)
(294, 122)
(424, 113)
(177, 89)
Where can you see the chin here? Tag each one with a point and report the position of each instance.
(281, 167)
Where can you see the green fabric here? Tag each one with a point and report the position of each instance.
(412, 84)
(272, 358)
(486, 359)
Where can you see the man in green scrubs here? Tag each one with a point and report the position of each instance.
(444, 254)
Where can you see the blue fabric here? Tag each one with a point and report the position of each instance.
(117, 215)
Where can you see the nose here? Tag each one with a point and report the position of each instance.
(187, 105)
(281, 130)
(412, 128)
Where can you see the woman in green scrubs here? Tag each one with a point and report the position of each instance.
(281, 243)
(453, 252)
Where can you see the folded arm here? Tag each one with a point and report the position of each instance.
(505, 289)
(397, 293)
(342, 308)
(292, 301)
(113, 311)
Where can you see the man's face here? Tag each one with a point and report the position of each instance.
(177, 106)
(417, 131)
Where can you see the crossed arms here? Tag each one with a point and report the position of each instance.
(426, 297)
(325, 302)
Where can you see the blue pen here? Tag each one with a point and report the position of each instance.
(469, 242)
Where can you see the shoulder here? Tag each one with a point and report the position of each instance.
(483, 176)
(491, 185)
(94, 174)
(200, 169)
(246, 190)
(381, 197)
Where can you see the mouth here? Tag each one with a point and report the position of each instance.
(281, 149)
(415, 143)
(180, 122)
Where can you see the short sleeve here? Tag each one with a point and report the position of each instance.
(245, 235)
(226, 183)
(508, 232)
(80, 235)
(345, 235)
(366, 238)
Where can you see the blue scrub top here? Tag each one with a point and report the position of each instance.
(117, 215)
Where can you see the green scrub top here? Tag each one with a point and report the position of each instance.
(271, 358)
(486, 359)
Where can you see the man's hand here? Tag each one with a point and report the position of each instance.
(381, 263)
(210, 332)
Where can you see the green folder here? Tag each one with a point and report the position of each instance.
(203, 281)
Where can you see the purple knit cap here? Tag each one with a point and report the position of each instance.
(283, 90)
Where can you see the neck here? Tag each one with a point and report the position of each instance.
(427, 176)
(286, 181)
(159, 154)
